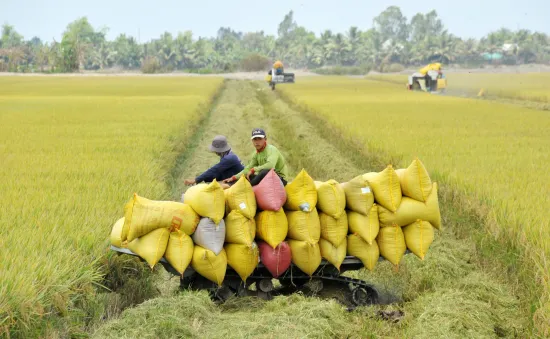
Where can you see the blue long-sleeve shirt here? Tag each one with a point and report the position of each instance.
(229, 165)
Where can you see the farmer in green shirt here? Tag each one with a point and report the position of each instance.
(264, 159)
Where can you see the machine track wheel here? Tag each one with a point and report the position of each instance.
(265, 285)
(361, 296)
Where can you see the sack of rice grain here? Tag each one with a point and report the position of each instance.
(418, 237)
(368, 254)
(359, 195)
(386, 188)
(179, 251)
(241, 197)
(391, 242)
(141, 216)
(410, 210)
(270, 192)
(305, 255)
(333, 230)
(209, 235)
(304, 226)
(331, 198)
(277, 260)
(209, 265)
(116, 234)
(208, 200)
(415, 181)
(272, 227)
(151, 246)
(333, 254)
(301, 193)
(366, 227)
(239, 229)
(242, 258)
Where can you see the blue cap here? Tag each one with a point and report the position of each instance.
(258, 133)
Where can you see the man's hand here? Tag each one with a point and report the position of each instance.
(251, 172)
(233, 178)
(189, 182)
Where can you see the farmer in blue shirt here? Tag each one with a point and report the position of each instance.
(229, 164)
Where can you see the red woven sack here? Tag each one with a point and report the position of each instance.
(277, 260)
(270, 192)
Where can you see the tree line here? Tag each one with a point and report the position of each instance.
(391, 43)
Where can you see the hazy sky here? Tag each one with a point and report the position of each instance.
(466, 18)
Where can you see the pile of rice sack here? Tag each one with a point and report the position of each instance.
(373, 215)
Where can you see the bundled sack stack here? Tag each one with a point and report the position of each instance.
(272, 224)
(331, 202)
(241, 249)
(363, 225)
(153, 229)
(304, 229)
(372, 215)
(408, 210)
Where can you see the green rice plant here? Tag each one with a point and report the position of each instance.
(73, 150)
(495, 155)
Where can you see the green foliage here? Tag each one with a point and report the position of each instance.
(343, 70)
(393, 38)
(391, 68)
(254, 63)
(150, 65)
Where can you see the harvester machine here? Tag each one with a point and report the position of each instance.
(276, 75)
(326, 282)
(429, 79)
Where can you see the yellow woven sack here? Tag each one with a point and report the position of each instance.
(359, 196)
(272, 227)
(239, 229)
(242, 258)
(209, 265)
(179, 251)
(208, 200)
(418, 237)
(305, 255)
(386, 187)
(391, 242)
(143, 216)
(334, 255)
(415, 181)
(368, 254)
(116, 234)
(333, 230)
(410, 210)
(366, 227)
(331, 198)
(151, 246)
(301, 193)
(304, 226)
(241, 197)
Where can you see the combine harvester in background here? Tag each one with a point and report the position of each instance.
(305, 234)
(277, 75)
(429, 79)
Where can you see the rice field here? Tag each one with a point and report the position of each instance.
(533, 87)
(73, 150)
(496, 155)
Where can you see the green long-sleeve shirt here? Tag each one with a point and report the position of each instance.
(269, 158)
